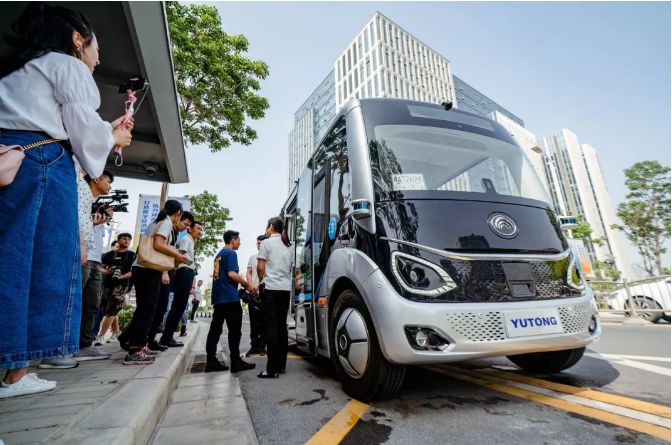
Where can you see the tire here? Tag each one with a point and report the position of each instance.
(548, 362)
(666, 318)
(364, 372)
(643, 303)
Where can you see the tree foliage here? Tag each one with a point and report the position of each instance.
(216, 83)
(206, 209)
(646, 212)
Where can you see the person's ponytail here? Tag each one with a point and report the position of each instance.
(278, 226)
(170, 208)
(285, 238)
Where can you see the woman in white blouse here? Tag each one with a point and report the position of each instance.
(46, 91)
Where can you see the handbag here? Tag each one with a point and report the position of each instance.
(11, 157)
(151, 258)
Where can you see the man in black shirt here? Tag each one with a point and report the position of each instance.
(116, 270)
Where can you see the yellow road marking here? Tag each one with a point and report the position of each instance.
(335, 430)
(625, 402)
(625, 422)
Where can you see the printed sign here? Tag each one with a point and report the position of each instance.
(581, 254)
(529, 323)
(148, 210)
(408, 181)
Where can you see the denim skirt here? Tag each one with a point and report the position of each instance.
(40, 290)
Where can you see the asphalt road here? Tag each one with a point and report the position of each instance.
(478, 402)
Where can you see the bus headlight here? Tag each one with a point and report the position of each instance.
(419, 276)
(574, 275)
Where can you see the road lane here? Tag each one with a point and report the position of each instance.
(434, 407)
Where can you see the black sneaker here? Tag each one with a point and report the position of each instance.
(138, 358)
(241, 365)
(215, 366)
(253, 352)
(172, 344)
(155, 346)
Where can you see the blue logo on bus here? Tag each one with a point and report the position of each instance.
(333, 223)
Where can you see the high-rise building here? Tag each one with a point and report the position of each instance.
(577, 188)
(471, 100)
(383, 60)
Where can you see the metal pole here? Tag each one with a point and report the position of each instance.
(164, 194)
(631, 304)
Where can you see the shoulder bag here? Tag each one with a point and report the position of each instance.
(11, 157)
(151, 258)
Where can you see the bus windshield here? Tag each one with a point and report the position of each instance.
(419, 157)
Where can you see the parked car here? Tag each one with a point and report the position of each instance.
(646, 294)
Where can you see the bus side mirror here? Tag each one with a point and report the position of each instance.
(361, 208)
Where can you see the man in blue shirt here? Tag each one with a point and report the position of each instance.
(226, 302)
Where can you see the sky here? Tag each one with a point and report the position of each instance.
(599, 69)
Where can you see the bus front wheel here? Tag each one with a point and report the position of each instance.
(548, 362)
(355, 352)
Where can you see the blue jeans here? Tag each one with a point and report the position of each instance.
(40, 295)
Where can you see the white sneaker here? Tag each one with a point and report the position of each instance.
(113, 338)
(29, 384)
(99, 340)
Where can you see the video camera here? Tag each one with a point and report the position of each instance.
(114, 201)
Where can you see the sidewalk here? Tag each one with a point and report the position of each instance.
(206, 408)
(99, 402)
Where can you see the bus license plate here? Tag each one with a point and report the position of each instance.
(530, 323)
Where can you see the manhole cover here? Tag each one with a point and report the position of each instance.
(199, 362)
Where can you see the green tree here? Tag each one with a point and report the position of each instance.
(207, 209)
(646, 212)
(216, 83)
(584, 232)
(606, 271)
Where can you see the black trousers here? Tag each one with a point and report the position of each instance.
(182, 283)
(91, 293)
(274, 307)
(147, 283)
(257, 330)
(194, 308)
(232, 313)
(161, 306)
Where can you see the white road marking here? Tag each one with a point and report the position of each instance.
(629, 360)
(631, 357)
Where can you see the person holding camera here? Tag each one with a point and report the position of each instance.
(257, 334)
(274, 268)
(92, 277)
(117, 275)
(226, 301)
(147, 283)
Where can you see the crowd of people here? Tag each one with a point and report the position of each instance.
(60, 293)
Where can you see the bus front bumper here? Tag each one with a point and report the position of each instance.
(476, 330)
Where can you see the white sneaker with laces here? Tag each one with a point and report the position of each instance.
(99, 341)
(113, 338)
(29, 384)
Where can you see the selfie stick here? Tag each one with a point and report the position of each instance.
(130, 110)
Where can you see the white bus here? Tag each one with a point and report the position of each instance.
(423, 235)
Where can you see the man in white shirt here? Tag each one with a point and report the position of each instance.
(92, 278)
(257, 336)
(182, 282)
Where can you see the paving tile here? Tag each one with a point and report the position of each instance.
(30, 436)
(203, 378)
(201, 392)
(184, 413)
(230, 431)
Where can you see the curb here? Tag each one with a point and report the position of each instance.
(130, 414)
